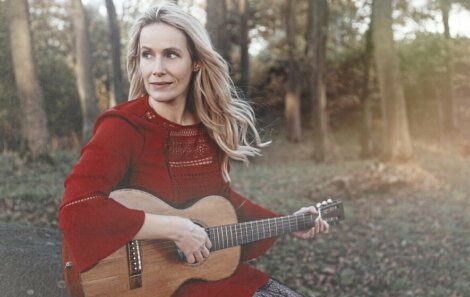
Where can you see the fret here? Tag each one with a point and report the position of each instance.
(231, 235)
(283, 225)
(225, 236)
(219, 239)
(297, 226)
(214, 242)
(269, 229)
(213, 239)
(236, 235)
(247, 234)
(245, 237)
(311, 220)
(275, 226)
(252, 232)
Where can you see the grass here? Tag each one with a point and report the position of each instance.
(399, 241)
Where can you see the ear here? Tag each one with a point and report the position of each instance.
(196, 67)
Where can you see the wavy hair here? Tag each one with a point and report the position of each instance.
(229, 119)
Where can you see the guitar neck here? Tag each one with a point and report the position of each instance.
(226, 236)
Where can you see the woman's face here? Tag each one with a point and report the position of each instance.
(165, 63)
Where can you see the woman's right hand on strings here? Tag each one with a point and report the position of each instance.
(192, 240)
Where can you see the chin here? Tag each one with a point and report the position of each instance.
(160, 98)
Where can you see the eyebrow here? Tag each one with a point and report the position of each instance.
(165, 49)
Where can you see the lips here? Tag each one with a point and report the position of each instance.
(162, 83)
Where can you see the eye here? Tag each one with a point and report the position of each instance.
(146, 55)
(172, 55)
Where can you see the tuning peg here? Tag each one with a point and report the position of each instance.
(318, 205)
(323, 203)
(329, 200)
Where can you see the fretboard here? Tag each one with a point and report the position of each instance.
(226, 236)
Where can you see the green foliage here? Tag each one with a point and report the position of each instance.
(30, 193)
(52, 50)
(54, 58)
(345, 57)
(423, 65)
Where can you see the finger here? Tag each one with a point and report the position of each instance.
(313, 210)
(320, 226)
(205, 252)
(302, 210)
(323, 226)
(302, 235)
(190, 258)
(317, 226)
(198, 256)
(313, 232)
(327, 227)
(208, 244)
(310, 209)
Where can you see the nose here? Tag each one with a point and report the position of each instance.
(159, 67)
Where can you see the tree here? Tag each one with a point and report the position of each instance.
(33, 123)
(366, 100)
(244, 42)
(292, 97)
(396, 142)
(83, 69)
(316, 54)
(217, 27)
(117, 89)
(446, 98)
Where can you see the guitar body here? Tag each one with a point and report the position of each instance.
(162, 271)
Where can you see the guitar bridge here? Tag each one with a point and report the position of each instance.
(134, 264)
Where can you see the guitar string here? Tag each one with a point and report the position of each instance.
(288, 221)
(292, 221)
(249, 227)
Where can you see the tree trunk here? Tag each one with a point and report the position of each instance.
(33, 123)
(397, 142)
(244, 44)
(117, 89)
(366, 100)
(446, 98)
(83, 69)
(316, 53)
(292, 100)
(217, 27)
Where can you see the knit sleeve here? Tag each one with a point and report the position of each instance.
(249, 211)
(93, 225)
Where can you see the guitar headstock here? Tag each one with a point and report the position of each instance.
(331, 211)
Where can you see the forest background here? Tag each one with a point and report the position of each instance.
(365, 101)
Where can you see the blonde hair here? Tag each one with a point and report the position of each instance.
(228, 118)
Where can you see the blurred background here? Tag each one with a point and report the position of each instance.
(365, 101)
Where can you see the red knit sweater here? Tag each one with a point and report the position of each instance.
(134, 147)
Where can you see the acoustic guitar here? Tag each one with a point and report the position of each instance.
(157, 268)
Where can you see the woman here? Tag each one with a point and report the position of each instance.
(174, 140)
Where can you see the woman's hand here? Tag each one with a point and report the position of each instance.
(320, 226)
(192, 240)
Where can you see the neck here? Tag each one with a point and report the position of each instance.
(174, 111)
(236, 234)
